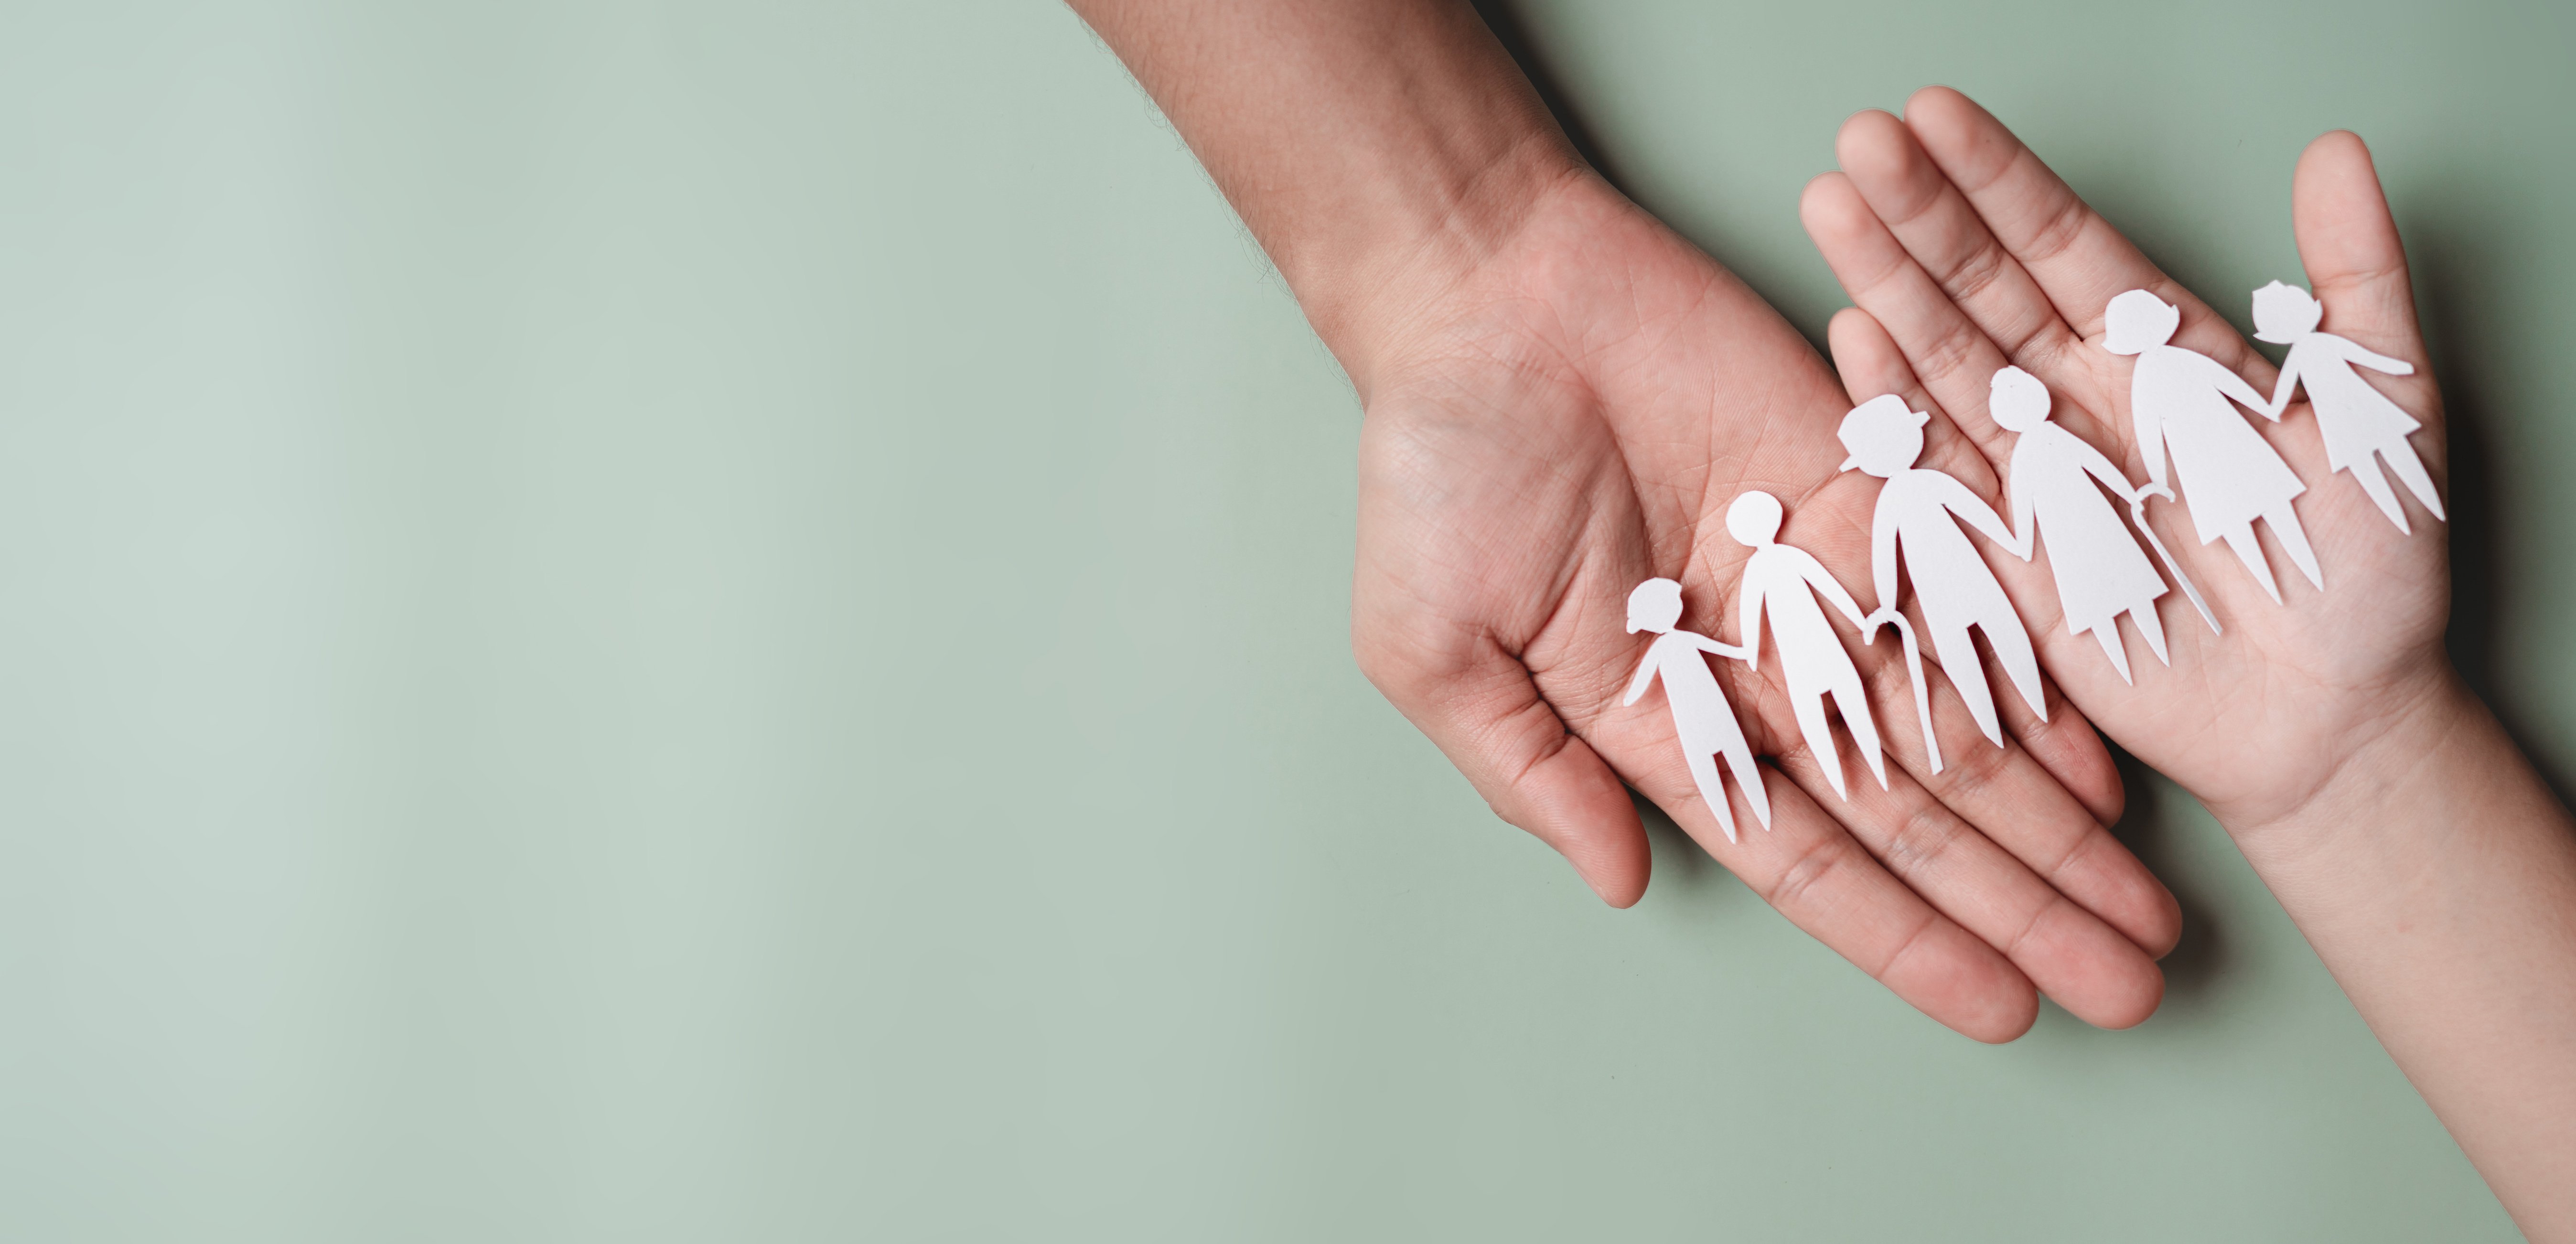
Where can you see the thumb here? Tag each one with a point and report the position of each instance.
(2356, 266)
(1477, 703)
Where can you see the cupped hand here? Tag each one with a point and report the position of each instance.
(1964, 253)
(1569, 415)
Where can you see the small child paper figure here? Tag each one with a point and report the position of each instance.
(2178, 402)
(1918, 517)
(2357, 420)
(1785, 581)
(1700, 714)
(2054, 496)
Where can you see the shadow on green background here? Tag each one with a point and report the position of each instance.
(688, 621)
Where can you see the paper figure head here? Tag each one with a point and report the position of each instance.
(2017, 400)
(1754, 519)
(2138, 321)
(1655, 606)
(2285, 313)
(1883, 436)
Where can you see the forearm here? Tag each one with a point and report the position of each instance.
(1377, 148)
(2436, 876)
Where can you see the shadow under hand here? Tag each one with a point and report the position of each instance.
(2147, 827)
(1679, 862)
(2461, 259)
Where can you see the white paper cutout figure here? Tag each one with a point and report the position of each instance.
(1784, 582)
(2178, 403)
(2055, 490)
(1918, 517)
(2357, 420)
(1701, 717)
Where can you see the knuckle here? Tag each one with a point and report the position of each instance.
(1797, 883)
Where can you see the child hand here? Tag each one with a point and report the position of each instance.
(1571, 417)
(1965, 253)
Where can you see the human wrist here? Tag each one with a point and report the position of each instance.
(1369, 284)
(2400, 761)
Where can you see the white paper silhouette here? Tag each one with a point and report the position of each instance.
(1784, 582)
(2054, 484)
(1701, 717)
(1918, 517)
(2357, 420)
(2178, 403)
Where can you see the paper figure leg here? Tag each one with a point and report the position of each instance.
(2108, 632)
(1748, 778)
(1968, 674)
(1853, 704)
(2250, 552)
(1703, 769)
(1820, 740)
(2294, 538)
(2150, 626)
(2366, 473)
(2021, 665)
(2401, 458)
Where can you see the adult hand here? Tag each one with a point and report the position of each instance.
(1571, 416)
(1562, 397)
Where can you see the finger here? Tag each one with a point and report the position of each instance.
(1933, 341)
(1478, 704)
(1927, 217)
(1826, 883)
(1869, 361)
(2074, 255)
(2096, 972)
(2357, 266)
(2048, 798)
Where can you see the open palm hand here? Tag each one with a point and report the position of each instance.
(1965, 253)
(1573, 417)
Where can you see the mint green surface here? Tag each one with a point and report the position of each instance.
(727, 621)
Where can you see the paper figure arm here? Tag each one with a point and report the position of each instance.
(1831, 589)
(2236, 387)
(1748, 616)
(2283, 388)
(1882, 550)
(2150, 426)
(2025, 513)
(1705, 644)
(1645, 675)
(2376, 362)
(1959, 499)
(2099, 466)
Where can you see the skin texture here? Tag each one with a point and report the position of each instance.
(1562, 396)
(2431, 868)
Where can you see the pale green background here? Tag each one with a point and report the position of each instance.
(726, 621)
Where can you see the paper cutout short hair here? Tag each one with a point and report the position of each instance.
(2285, 313)
(2138, 321)
(1655, 605)
(1882, 435)
(1754, 519)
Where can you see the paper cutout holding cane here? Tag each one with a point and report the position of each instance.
(1783, 582)
(2054, 484)
(1701, 717)
(2178, 404)
(1917, 520)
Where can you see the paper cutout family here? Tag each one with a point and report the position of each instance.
(2182, 412)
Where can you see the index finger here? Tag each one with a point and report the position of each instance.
(2080, 261)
